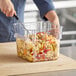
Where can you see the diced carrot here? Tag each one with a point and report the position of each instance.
(25, 51)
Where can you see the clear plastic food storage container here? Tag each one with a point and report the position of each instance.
(41, 43)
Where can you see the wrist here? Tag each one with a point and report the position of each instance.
(51, 15)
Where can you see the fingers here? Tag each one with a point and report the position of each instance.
(9, 12)
(7, 8)
(55, 29)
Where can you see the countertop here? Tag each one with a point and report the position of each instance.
(11, 65)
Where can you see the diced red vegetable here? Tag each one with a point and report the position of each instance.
(46, 50)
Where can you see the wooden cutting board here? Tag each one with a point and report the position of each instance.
(10, 64)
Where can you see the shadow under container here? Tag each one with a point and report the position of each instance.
(40, 43)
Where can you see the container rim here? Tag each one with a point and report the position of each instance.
(36, 22)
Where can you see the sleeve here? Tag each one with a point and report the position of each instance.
(44, 6)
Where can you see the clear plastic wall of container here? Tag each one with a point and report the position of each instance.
(41, 43)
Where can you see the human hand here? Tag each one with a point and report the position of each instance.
(53, 18)
(7, 7)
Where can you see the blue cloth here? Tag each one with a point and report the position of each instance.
(6, 23)
(44, 6)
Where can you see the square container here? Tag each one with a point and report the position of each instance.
(41, 43)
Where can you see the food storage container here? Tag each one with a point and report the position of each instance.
(40, 43)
